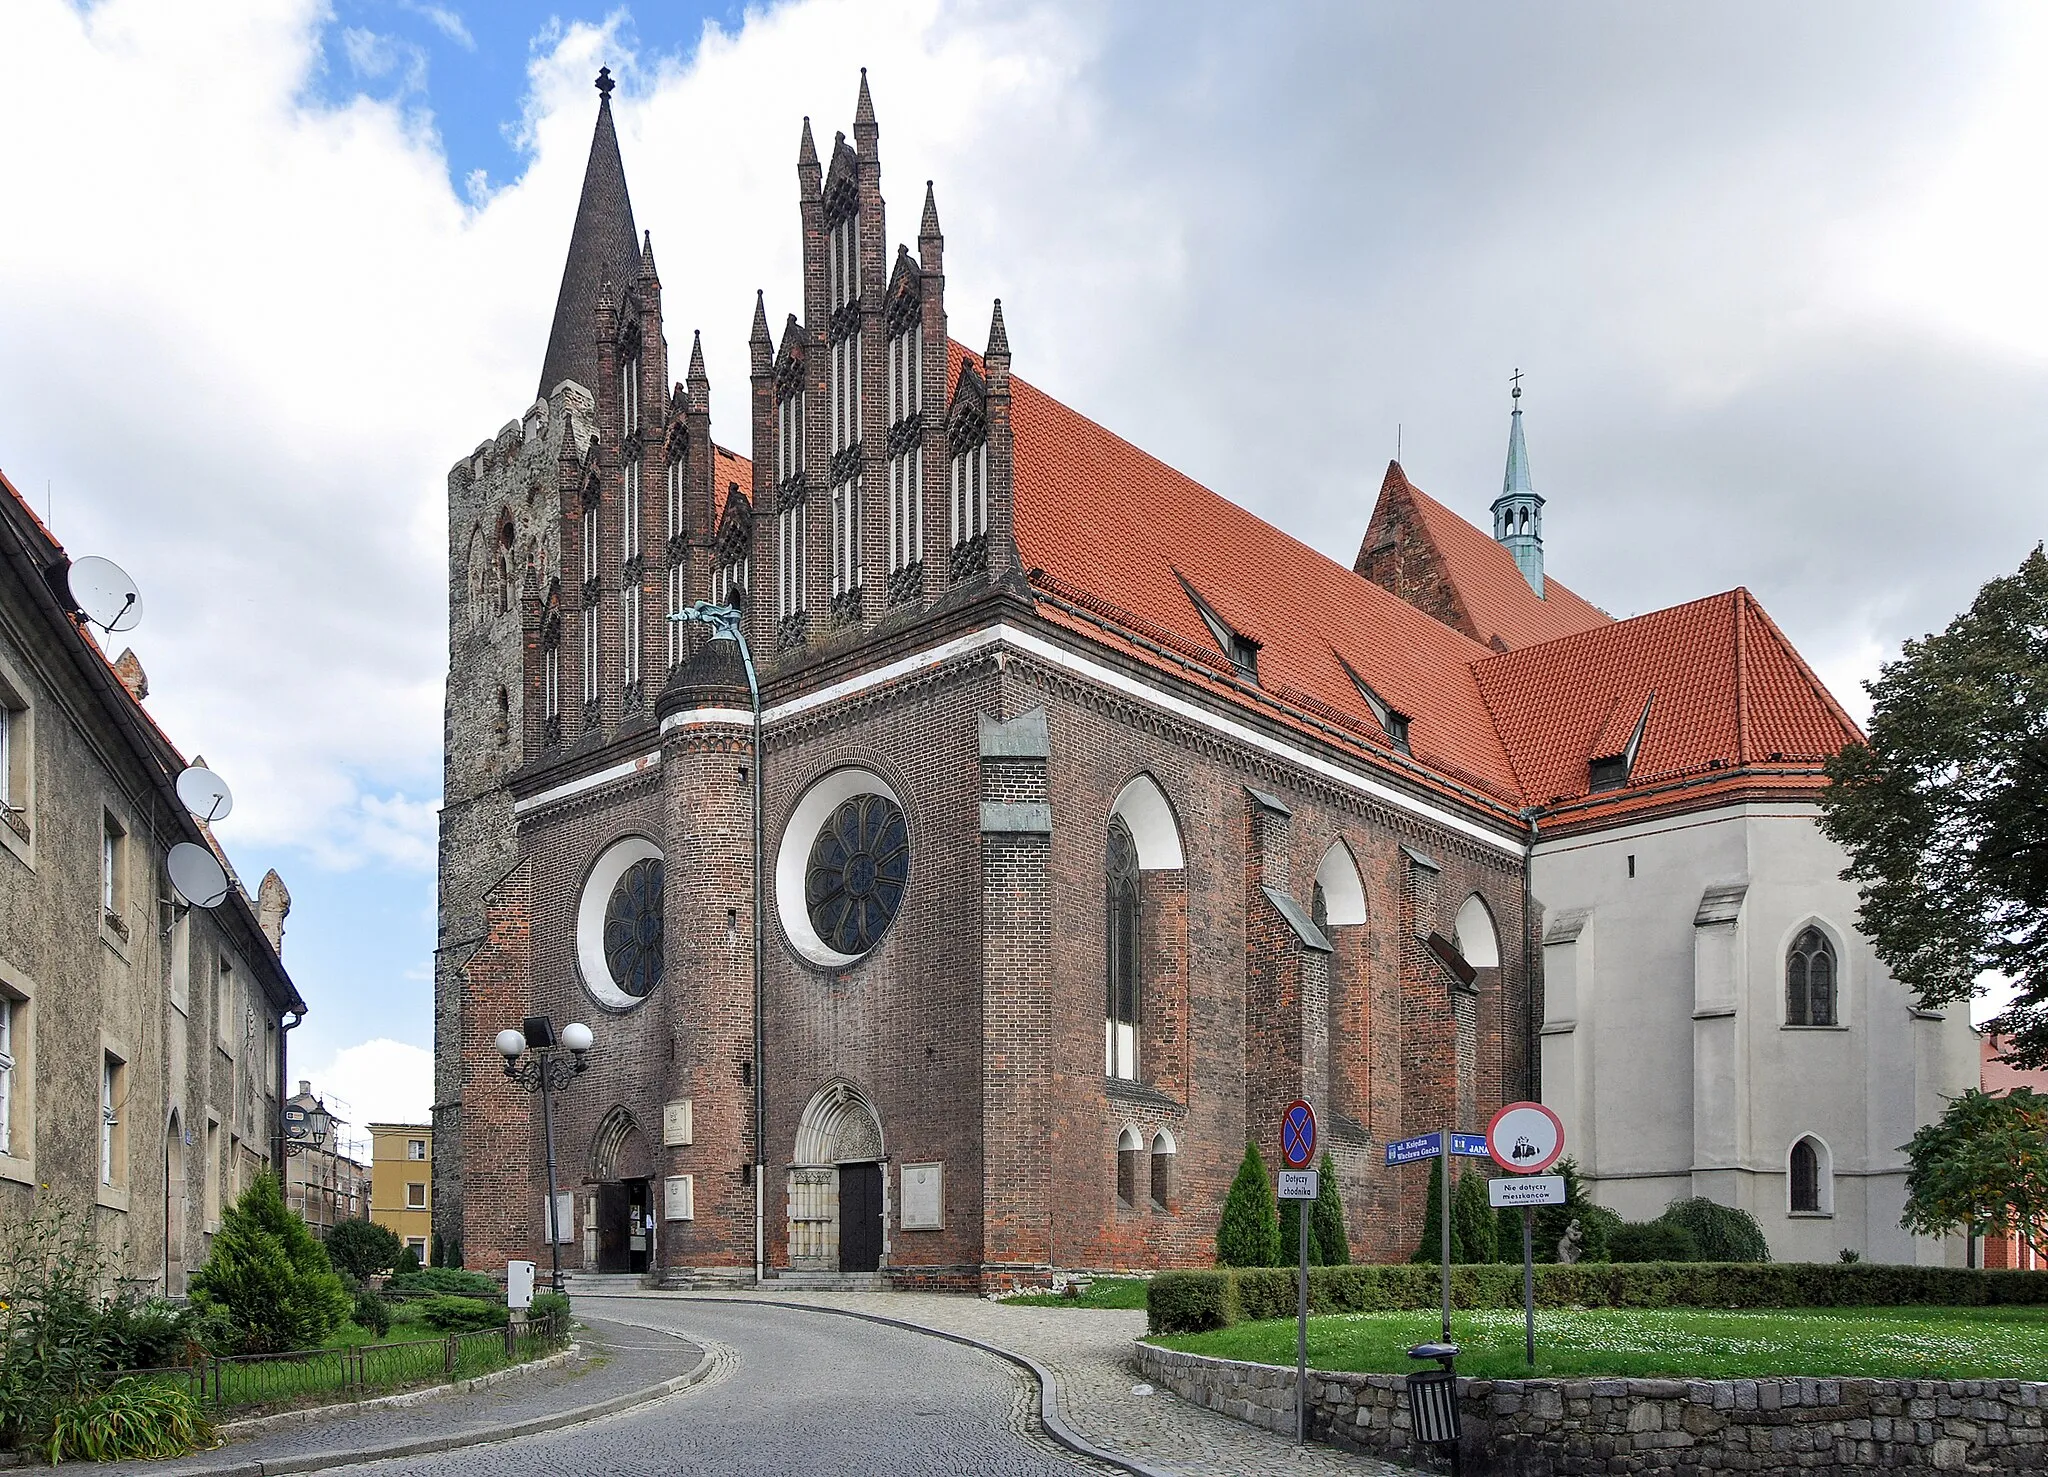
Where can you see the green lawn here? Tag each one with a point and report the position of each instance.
(1103, 1292)
(1917, 1343)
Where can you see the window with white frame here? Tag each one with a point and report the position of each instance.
(675, 608)
(13, 755)
(789, 562)
(629, 621)
(589, 545)
(113, 867)
(970, 494)
(113, 1121)
(415, 1195)
(843, 261)
(675, 500)
(551, 681)
(10, 1009)
(789, 437)
(589, 654)
(415, 1148)
(846, 536)
(629, 396)
(629, 543)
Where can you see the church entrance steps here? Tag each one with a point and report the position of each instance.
(824, 1281)
(603, 1282)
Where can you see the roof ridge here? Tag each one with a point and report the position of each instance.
(1741, 681)
(1785, 645)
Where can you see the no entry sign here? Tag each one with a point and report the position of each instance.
(1525, 1138)
(1298, 1135)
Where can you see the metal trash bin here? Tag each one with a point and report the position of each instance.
(1433, 1399)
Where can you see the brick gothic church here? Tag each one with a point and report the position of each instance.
(1102, 818)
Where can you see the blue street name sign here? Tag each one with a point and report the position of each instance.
(1422, 1146)
(1470, 1146)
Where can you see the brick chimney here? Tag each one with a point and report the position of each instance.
(129, 669)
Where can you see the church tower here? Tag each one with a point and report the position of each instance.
(1518, 511)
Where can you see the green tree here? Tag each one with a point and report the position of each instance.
(1430, 1248)
(1328, 1243)
(1720, 1233)
(1289, 1240)
(1249, 1233)
(268, 1278)
(1473, 1236)
(363, 1248)
(1982, 1167)
(1944, 811)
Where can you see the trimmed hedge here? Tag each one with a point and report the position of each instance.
(1194, 1302)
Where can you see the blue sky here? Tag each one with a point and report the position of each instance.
(1770, 271)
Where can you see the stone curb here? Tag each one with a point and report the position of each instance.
(234, 1430)
(1048, 1385)
(349, 1457)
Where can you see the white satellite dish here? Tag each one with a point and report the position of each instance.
(104, 594)
(197, 874)
(205, 794)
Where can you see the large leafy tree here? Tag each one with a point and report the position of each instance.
(1982, 1168)
(1944, 811)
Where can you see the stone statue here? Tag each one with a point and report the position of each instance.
(1571, 1245)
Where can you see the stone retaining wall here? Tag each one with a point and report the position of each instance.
(1549, 1428)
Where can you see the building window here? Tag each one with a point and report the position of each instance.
(224, 1007)
(10, 1009)
(846, 537)
(675, 607)
(858, 868)
(1128, 1152)
(845, 392)
(417, 1245)
(970, 494)
(113, 1120)
(789, 562)
(1163, 1190)
(415, 1148)
(1809, 1178)
(551, 681)
(113, 869)
(729, 582)
(843, 264)
(789, 438)
(1810, 977)
(629, 620)
(415, 1195)
(590, 546)
(675, 499)
(211, 1168)
(589, 654)
(906, 376)
(14, 762)
(630, 524)
(1120, 1029)
(629, 396)
(906, 509)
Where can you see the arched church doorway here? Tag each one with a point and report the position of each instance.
(837, 1215)
(620, 1215)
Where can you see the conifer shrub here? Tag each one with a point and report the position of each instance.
(1430, 1248)
(1328, 1243)
(362, 1249)
(1249, 1233)
(449, 1281)
(461, 1315)
(1473, 1223)
(267, 1279)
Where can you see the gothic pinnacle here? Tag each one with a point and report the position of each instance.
(760, 334)
(998, 340)
(697, 375)
(928, 228)
(647, 272)
(864, 109)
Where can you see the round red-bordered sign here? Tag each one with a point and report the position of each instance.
(1298, 1134)
(1525, 1138)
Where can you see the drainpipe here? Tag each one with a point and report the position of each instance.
(1531, 1085)
(277, 1140)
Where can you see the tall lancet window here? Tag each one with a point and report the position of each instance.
(906, 458)
(629, 524)
(1810, 976)
(629, 396)
(789, 438)
(842, 265)
(970, 494)
(551, 683)
(589, 549)
(674, 603)
(590, 622)
(789, 562)
(1124, 985)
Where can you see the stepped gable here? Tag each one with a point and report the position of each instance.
(1424, 552)
(602, 245)
(1106, 528)
(1733, 708)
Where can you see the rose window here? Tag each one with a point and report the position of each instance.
(855, 877)
(632, 929)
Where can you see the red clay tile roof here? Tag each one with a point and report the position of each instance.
(727, 468)
(1492, 588)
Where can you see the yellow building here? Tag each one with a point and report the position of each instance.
(401, 1182)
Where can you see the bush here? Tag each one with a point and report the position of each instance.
(447, 1281)
(408, 1263)
(151, 1334)
(1652, 1241)
(132, 1418)
(363, 1248)
(269, 1276)
(1721, 1232)
(372, 1313)
(550, 1305)
(1472, 1220)
(1192, 1302)
(1327, 1240)
(52, 1334)
(1249, 1233)
(461, 1315)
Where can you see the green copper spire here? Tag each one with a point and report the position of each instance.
(1518, 511)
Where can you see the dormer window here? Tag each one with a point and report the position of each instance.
(1612, 771)
(1240, 648)
(1392, 722)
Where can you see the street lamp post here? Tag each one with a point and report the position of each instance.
(728, 624)
(545, 1070)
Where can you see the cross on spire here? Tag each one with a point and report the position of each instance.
(1517, 391)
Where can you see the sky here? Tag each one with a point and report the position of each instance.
(269, 269)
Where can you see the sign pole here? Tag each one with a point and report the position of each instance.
(1529, 1278)
(1446, 1228)
(1301, 1331)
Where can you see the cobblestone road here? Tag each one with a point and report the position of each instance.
(791, 1392)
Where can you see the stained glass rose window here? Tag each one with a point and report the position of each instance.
(632, 929)
(854, 880)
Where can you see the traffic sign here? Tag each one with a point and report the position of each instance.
(1298, 1135)
(1299, 1184)
(1469, 1145)
(1535, 1189)
(1422, 1146)
(1525, 1138)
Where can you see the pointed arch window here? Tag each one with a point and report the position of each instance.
(1811, 979)
(1807, 1179)
(1128, 1152)
(1164, 1195)
(789, 437)
(843, 261)
(789, 562)
(629, 396)
(1124, 984)
(970, 494)
(629, 541)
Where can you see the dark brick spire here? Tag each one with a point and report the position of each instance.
(602, 243)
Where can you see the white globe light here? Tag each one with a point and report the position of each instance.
(576, 1036)
(511, 1043)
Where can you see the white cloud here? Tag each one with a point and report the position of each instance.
(376, 1081)
(446, 21)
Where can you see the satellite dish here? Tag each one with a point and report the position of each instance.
(205, 794)
(104, 594)
(197, 874)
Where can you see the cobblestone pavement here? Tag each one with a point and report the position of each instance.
(1088, 1352)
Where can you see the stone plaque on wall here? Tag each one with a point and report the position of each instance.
(678, 1124)
(924, 1198)
(679, 1197)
